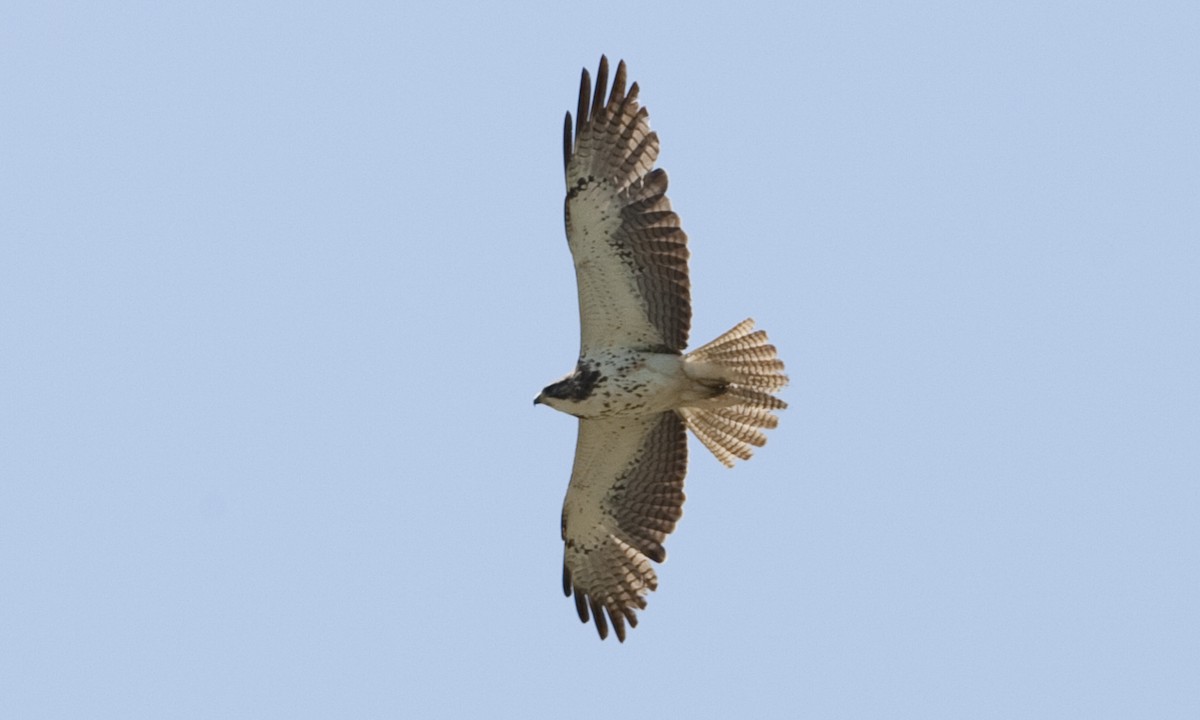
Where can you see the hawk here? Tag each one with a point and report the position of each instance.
(634, 388)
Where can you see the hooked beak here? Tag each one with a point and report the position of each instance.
(538, 400)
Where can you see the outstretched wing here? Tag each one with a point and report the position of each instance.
(630, 253)
(626, 494)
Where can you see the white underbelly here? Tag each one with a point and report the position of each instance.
(635, 384)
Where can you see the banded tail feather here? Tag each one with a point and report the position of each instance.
(745, 367)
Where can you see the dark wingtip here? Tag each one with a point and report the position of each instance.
(581, 606)
(618, 623)
(581, 109)
(567, 142)
(598, 618)
(618, 86)
(601, 85)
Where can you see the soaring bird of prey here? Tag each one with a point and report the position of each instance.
(634, 389)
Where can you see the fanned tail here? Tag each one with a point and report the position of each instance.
(742, 368)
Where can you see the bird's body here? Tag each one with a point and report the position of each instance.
(634, 388)
(620, 382)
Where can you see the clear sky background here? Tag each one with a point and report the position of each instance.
(279, 281)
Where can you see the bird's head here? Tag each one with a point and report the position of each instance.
(567, 393)
(558, 395)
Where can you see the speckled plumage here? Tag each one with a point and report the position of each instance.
(634, 389)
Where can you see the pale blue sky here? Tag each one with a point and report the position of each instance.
(278, 283)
